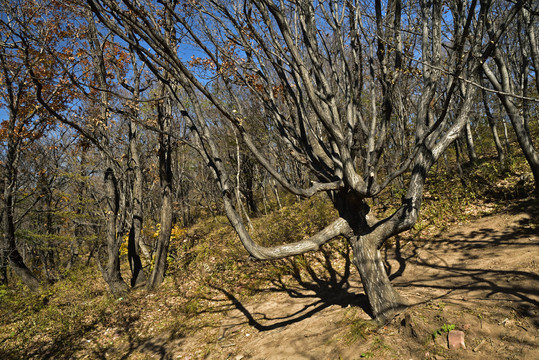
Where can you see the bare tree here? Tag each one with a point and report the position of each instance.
(509, 76)
(359, 95)
(492, 124)
(164, 120)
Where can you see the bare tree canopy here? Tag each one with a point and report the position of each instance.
(360, 95)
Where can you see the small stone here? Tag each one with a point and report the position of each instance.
(466, 327)
(455, 339)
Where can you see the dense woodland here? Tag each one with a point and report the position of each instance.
(123, 123)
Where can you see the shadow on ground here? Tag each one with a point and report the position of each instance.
(319, 289)
(491, 261)
(470, 277)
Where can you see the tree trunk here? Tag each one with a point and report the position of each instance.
(249, 186)
(492, 125)
(165, 176)
(276, 192)
(111, 273)
(115, 205)
(506, 138)
(3, 259)
(3, 265)
(524, 139)
(160, 264)
(383, 298)
(516, 115)
(497, 142)
(457, 160)
(469, 143)
(11, 253)
(134, 247)
(531, 27)
(14, 258)
(137, 273)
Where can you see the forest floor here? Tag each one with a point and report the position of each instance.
(479, 275)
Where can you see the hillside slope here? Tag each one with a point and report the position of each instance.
(482, 277)
(479, 276)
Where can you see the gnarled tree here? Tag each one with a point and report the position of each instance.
(358, 94)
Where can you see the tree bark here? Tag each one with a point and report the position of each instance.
(384, 300)
(530, 24)
(3, 257)
(134, 244)
(165, 177)
(115, 205)
(160, 264)
(111, 273)
(470, 143)
(458, 152)
(3, 264)
(138, 276)
(492, 125)
(14, 258)
(134, 238)
(515, 115)
(506, 138)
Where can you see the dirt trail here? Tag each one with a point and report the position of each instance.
(482, 277)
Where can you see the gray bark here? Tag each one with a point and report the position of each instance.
(165, 177)
(111, 271)
(492, 124)
(15, 260)
(383, 298)
(530, 24)
(135, 248)
(470, 143)
(164, 120)
(10, 250)
(14, 80)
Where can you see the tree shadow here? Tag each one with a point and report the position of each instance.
(483, 270)
(315, 279)
(398, 255)
(479, 239)
(81, 337)
(155, 347)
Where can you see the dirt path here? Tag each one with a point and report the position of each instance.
(480, 277)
